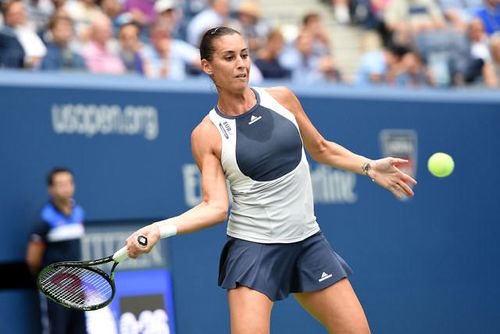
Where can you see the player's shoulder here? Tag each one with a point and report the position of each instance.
(205, 134)
(280, 92)
(285, 97)
(204, 128)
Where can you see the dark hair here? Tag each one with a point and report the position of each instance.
(130, 23)
(206, 45)
(5, 6)
(54, 171)
(397, 50)
(308, 17)
(57, 18)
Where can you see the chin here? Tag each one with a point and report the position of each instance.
(240, 86)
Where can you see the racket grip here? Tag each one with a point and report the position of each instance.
(120, 254)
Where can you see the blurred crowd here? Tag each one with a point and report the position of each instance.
(438, 43)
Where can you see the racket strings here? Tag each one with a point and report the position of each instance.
(77, 286)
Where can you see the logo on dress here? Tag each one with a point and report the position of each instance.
(223, 131)
(324, 276)
(254, 119)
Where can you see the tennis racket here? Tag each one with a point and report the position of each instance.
(81, 285)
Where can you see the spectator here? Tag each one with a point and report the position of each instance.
(61, 51)
(495, 59)
(341, 11)
(17, 24)
(217, 14)
(412, 72)
(369, 15)
(130, 47)
(311, 23)
(249, 23)
(114, 10)
(255, 75)
(459, 12)
(478, 40)
(381, 66)
(489, 13)
(11, 51)
(83, 13)
(268, 59)
(59, 7)
(305, 66)
(56, 237)
(406, 19)
(446, 53)
(479, 68)
(168, 11)
(39, 13)
(141, 11)
(99, 53)
(167, 57)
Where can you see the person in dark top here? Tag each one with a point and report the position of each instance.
(11, 51)
(56, 237)
(268, 59)
(60, 53)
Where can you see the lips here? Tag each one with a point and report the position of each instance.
(241, 76)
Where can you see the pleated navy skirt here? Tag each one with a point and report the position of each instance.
(277, 270)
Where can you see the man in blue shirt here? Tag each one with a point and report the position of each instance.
(489, 13)
(56, 237)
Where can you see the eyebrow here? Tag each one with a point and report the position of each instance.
(231, 51)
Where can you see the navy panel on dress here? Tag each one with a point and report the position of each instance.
(268, 145)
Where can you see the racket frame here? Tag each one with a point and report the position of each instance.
(89, 265)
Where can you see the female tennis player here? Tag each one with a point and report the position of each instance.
(255, 138)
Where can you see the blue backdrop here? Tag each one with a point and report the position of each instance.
(425, 265)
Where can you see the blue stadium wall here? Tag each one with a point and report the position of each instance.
(430, 264)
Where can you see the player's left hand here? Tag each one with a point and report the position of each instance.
(386, 173)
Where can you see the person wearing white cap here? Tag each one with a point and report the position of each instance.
(168, 10)
(162, 6)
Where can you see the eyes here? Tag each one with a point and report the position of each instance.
(232, 56)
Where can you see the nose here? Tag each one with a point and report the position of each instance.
(239, 62)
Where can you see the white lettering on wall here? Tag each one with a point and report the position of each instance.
(90, 120)
(330, 186)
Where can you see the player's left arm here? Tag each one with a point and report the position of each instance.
(383, 171)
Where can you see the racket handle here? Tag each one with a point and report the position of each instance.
(120, 254)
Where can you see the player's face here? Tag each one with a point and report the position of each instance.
(230, 64)
(63, 187)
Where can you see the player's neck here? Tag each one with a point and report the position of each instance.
(231, 104)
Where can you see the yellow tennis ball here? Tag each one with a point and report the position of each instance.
(440, 164)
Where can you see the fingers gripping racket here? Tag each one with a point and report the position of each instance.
(82, 285)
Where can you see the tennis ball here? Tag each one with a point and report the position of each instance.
(440, 164)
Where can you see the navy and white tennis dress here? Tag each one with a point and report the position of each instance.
(274, 244)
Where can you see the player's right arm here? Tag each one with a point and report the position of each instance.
(206, 148)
